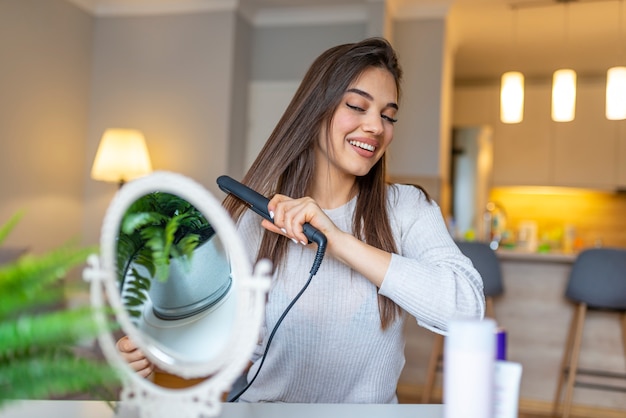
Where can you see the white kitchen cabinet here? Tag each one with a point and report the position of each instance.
(586, 148)
(589, 152)
(523, 152)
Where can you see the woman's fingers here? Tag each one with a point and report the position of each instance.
(291, 214)
(143, 368)
(134, 357)
(125, 345)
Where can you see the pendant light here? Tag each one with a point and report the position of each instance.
(512, 97)
(512, 89)
(616, 93)
(564, 86)
(564, 95)
(616, 81)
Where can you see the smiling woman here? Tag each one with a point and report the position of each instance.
(388, 250)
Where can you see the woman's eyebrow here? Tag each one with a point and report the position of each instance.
(369, 96)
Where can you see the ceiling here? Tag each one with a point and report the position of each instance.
(538, 36)
(492, 36)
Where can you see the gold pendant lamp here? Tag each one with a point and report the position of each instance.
(616, 78)
(564, 84)
(512, 88)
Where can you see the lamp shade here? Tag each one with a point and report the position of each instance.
(122, 156)
(512, 97)
(564, 95)
(616, 93)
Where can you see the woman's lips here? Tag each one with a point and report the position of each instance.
(363, 148)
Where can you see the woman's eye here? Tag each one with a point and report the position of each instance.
(353, 107)
(389, 118)
(360, 109)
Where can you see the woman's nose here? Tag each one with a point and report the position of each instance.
(373, 123)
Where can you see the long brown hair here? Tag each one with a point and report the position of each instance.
(286, 162)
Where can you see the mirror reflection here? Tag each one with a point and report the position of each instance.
(174, 278)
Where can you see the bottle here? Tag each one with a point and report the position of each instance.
(494, 220)
(569, 235)
(468, 381)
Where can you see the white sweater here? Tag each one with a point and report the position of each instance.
(330, 348)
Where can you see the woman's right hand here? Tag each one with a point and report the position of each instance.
(134, 357)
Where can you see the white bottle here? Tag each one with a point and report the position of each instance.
(468, 381)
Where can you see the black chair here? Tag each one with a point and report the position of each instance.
(597, 282)
(487, 263)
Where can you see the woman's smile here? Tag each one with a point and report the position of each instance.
(363, 147)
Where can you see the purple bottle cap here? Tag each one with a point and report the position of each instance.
(500, 344)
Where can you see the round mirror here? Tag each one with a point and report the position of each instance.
(174, 278)
(175, 272)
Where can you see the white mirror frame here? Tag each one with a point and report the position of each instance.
(250, 289)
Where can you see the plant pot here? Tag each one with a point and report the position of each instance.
(193, 286)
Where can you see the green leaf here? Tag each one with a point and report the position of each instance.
(53, 329)
(53, 375)
(135, 221)
(134, 300)
(22, 282)
(6, 229)
(37, 340)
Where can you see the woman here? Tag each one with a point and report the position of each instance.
(388, 250)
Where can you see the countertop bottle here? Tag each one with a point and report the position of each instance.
(494, 221)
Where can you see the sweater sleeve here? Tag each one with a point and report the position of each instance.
(429, 277)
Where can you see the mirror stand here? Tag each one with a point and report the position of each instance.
(233, 340)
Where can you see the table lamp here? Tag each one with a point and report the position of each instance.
(122, 156)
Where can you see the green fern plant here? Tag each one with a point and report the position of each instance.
(37, 338)
(156, 228)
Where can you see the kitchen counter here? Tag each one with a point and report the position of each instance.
(552, 256)
(536, 315)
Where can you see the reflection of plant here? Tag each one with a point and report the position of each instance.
(155, 228)
(37, 359)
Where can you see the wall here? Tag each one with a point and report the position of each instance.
(172, 76)
(285, 52)
(420, 48)
(421, 144)
(237, 143)
(45, 50)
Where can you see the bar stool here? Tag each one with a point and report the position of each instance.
(597, 282)
(487, 263)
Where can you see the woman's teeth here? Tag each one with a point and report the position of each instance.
(368, 147)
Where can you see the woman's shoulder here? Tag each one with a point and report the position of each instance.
(410, 194)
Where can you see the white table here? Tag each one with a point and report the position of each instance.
(97, 409)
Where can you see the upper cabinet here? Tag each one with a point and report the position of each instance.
(585, 149)
(523, 151)
(589, 152)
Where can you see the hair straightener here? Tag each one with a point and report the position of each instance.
(258, 203)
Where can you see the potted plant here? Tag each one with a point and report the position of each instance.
(159, 233)
(38, 336)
